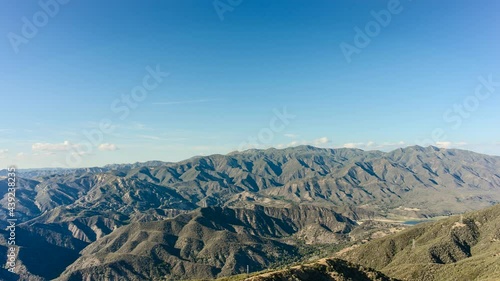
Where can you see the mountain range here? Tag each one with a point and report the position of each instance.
(213, 216)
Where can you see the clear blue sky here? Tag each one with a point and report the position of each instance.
(228, 76)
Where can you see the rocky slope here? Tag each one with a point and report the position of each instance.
(324, 270)
(458, 248)
(209, 242)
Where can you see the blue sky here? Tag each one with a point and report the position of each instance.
(255, 74)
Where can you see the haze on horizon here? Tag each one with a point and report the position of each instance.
(95, 83)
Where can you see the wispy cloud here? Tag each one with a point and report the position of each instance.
(158, 138)
(149, 137)
(136, 126)
(353, 144)
(53, 147)
(108, 147)
(373, 145)
(449, 144)
(185, 102)
(319, 142)
(43, 154)
(292, 136)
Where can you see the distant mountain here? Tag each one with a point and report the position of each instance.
(44, 172)
(458, 248)
(135, 165)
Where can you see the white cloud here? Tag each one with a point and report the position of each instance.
(53, 147)
(370, 145)
(449, 144)
(47, 149)
(353, 145)
(158, 138)
(373, 145)
(290, 144)
(443, 144)
(320, 141)
(50, 153)
(292, 136)
(107, 147)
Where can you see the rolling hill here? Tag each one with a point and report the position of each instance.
(458, 248)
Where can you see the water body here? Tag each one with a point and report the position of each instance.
(415, 222)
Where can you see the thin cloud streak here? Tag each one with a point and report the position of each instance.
(185, 102)
(150, 137)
